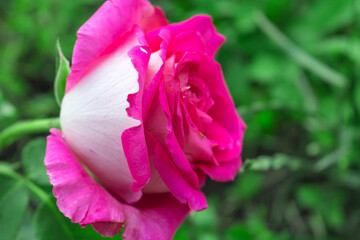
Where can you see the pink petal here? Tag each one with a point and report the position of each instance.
(94, 116)
(133, 139)
(223, 111)
(173, 178)
(202, 24)
(176, 151)
(112, 20)
(159, 125)
(226, 171)
(153, 19)
(79, 197)
(84, 201)
(157, 216)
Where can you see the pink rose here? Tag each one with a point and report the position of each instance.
(146, 116)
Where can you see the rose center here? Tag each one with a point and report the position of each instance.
(197, 93)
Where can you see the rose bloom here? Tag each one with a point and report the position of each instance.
(145, 119)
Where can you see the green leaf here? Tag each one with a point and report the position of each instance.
(205, 220)
(49, 224)
(27, 231)
(246, 186)
(265, 163)
(6, 183)
(297, 54)
(33, 160)
(8, 113)
(12, 210)
(310, 196)
(315, 18)
(357, 95)
(182, 233)
(342, 150)
(238, 231)
(205, 223)
(62, 71)
(49, 221)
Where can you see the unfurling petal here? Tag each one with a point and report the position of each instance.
(113, 19)
(84, 201)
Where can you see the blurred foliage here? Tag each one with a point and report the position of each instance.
(301, 176)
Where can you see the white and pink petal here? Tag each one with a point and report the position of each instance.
(84, 201)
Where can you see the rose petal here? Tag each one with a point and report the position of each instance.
(159, 120)
(110, 22)
(225, 171)
(157, 217)
(133, 139)
(176, 151)
(200, 23)
(223, 111)
(79, 197)
(93, 116)
(173, 178)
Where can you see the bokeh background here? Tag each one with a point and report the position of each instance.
(293, 69)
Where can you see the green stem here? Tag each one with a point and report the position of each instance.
(14, 132)
(302, 58)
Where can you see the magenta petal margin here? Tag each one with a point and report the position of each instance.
(85, 202)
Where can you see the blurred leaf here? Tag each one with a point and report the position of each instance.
(206, 222)
(316, 18)
(26, 231)
(51, 222)
(357, 96)
(244, 21)
(62, 71)
(266, 68)
(8, 112)
(307, 92)
(12, 209)
(182, 233)
(266, 120)
(6, 184)
(48, 224)
(338, 154)
(237, 232)
(265, 163)
(40, 106)
(33, 160)
(321, 70)
(337, 46)
(257, 226)
(277, 9)
(206, 219)
(246, 186)
(310, 196)
(317, 225)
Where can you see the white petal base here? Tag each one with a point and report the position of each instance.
(93, 117)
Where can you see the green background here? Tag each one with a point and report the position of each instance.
(296, 86)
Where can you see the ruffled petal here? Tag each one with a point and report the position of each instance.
(110, 22)
(180, 188)
(176, 151)
(79, 197)
(225, 171)
(223, 111)
(157, 216)
(133, 139)
(161, 134)
(84, 201)
(202, 24)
